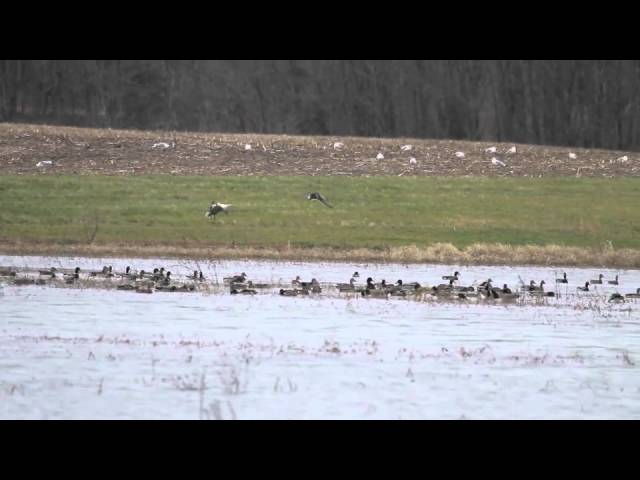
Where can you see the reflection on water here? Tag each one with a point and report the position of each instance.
(71, 353)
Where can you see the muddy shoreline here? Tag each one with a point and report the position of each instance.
(477, 254)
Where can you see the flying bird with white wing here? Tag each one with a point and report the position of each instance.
(319, 197)
(215, 208)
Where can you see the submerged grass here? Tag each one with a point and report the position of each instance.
(426, 219)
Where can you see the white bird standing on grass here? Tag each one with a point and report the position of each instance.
(215, 208)
(512, 150)
(495, 161)
(623, 159)
(459, 154)
(380, 156)
(161, 145)
(491, 150)
(338, 145)
(247, 146)
(413, 161)
(572, 156)
(406, 148)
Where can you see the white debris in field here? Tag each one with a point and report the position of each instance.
(406, 148)
(380, 156)
(512, 150)
(161, 145)
(338, 145)
(623, 159)
(44, 163)
(491, 150)
(247, 146)
(459, 154)
(412, 161)
(495, 161)
(572, 155)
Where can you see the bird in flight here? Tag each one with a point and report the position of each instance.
(318, 196)
(215, 208)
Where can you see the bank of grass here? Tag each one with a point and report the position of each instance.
(469, 220)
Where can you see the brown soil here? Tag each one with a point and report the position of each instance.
(87, 151)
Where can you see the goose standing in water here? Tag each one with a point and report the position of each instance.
(347, 287)
(70, 278)
(166, 280)
(318, 196)
(451, 277)
(126, 272)
(312, 284)
(244, 291)
(616, 297)
(195, 276)
(215, 208)
(534, 288)
(539, 290)
(375, 293)
(504, 294)
(289, 293)
(236, 278)
(158, 274)
(633, 295)
(371, 290)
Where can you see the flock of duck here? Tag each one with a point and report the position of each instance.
(161, 280)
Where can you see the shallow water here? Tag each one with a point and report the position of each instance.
(84, 353)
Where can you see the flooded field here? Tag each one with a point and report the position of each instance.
(72, 352)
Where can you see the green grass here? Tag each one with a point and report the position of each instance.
(374, 212)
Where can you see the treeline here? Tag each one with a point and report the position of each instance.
(589, 103)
